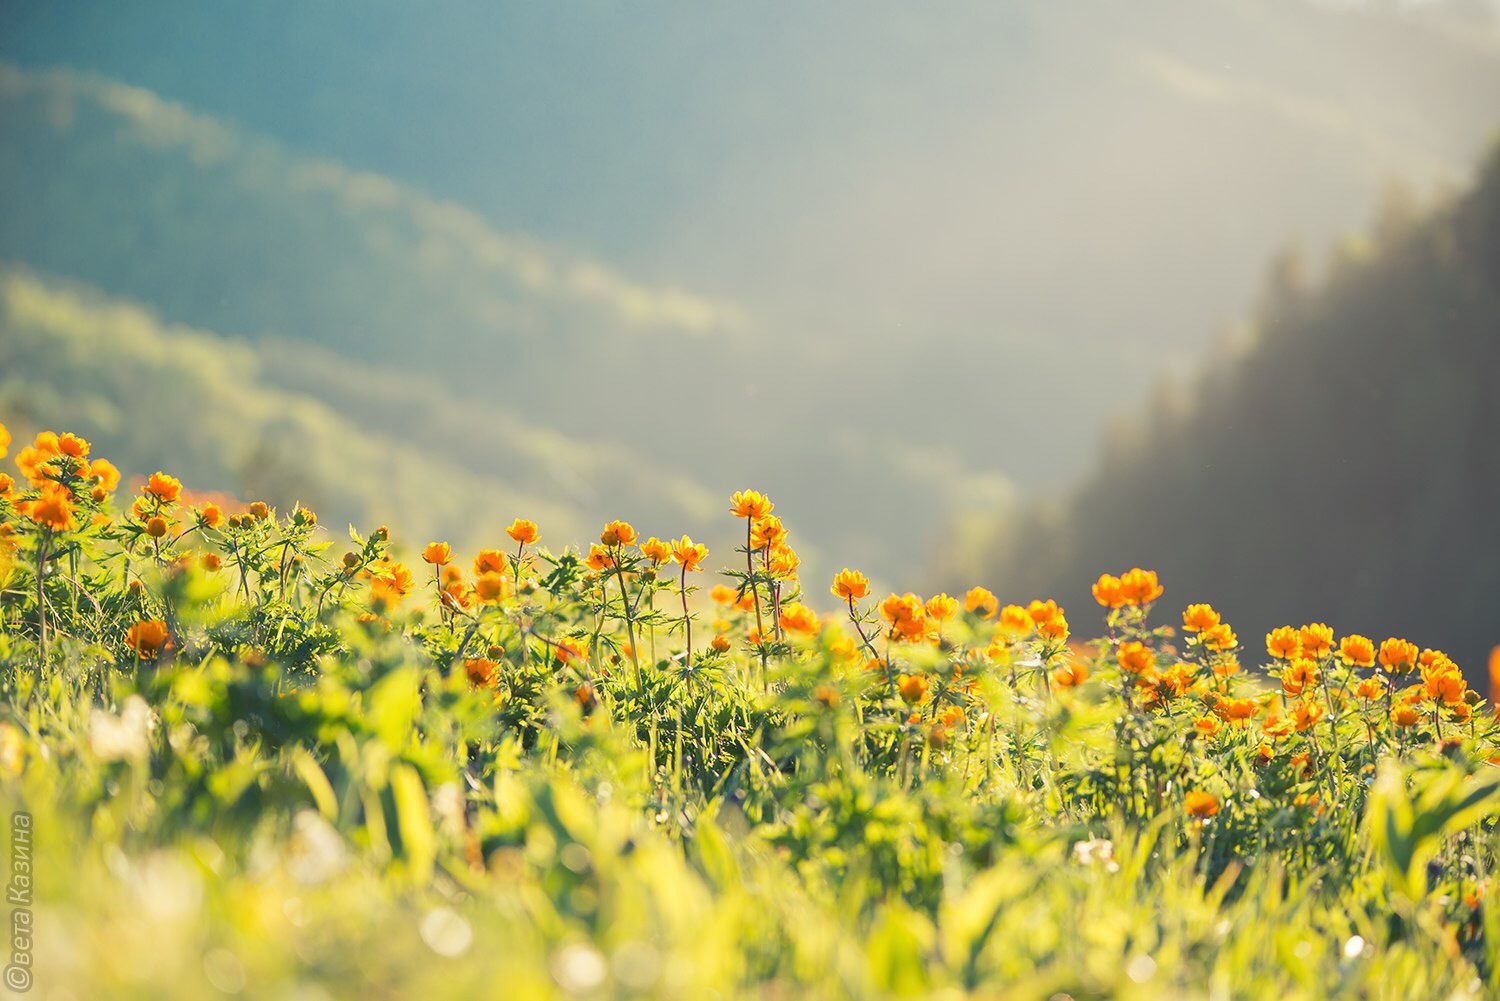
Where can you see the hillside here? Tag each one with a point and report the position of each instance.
(1342, 463)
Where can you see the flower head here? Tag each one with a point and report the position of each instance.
(523, 531)
(981, 601)
(437, 553)
(148, 638)
(689, 554)
(1284, 643)
(1397, 656)
(850, 585)
(1357, 651)
(750, 504)
(163, 488)
(656, 550)
(1199, 617)
(618, 533)
(1201, 804)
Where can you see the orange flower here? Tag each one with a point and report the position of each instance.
(73, 446)
(437, 553)
(490, 561)
(1357, 651)
(600, 559)
(656, 550)
(1107, 591)
(211, 561)
(784, 562)
(798, 618)
(827, 695)
(4, 441)
(1140, 587)
(482, 672)
(1299, 675)
(750, 504)
(156, 526)
(982, 601)
(523, 531)
(723, 594)
(942, 607)
(1071, 674)
(1397, 656)
(1238, 711)
(1370, 689)
(1207, 726)
(1054, 628)
(148, 638)
(390, 581)
(719, 644)
(767, 532)
(618, 533)
(1201, 804)
(689, 554)
(492, 587)
(104, 472)
(54, 508)
(260, 510)
(1317, 639)
(1135, 657)
(1306, 715)
(166, 489)
(1405, 715)
(1284, 643)
(1219, 637)
(1199, 617)
(913, 687)
(211, 516)
(1015, 620)
(851, 585)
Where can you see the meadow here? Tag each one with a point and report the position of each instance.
(244, 755)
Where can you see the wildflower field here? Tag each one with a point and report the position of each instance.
(245, 756)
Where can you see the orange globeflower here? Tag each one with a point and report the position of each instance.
(211, 516)
(913, 687)
(1015, 620)
(1199, 617)
(1300, 674)
(492, 587)
(1201, 804)
(656, 550)
(798, 618)
(851, 585)
(767, 532)
(4, 441)
(600, 559)
(1140, 587)
(1357, 651)
(260, 510)
(148, 638)
(1284, 643)
(942, 607)
(1495, 678)
(523, 531)
(156, 526)
(1054, 628)
(1207, 726)
(981, 600)
(1071, 674)
(390, 581)
(1107, 591)
(73, 446)
(784, 562)
(1370, 689)
(750, 504)
(490, 561)
(1219, 637)
(54, 508)
(719, 644)
(437, 553)
(723, 594)
(482, 672)
(1397, 655)
(104, 472)
(164, 488)
(1042, 612)
(1306, 715)
(618, 533)
(689, 554)
(1317, 639)
(1405, 715)
(1135, 657)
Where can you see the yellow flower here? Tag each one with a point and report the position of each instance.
(982, 601)
(482, 672)
(104, 473)
(1299, 675)
(1206, 726)
(1357, 651)
(1107, 591)
(54, 508)
(1199, 617)
(492, 587)
(1284, 643)
(1043, 612)
(767, 532)
(1201, 804)
(211, 516)
(156, 526)
(1140, 587)
(750, 504)
(166, 489)
(148, 638)
(437, 553)
(689, 554)
(913, 687)
(1135, 657)
(1071, 674)
(1219, 637)
(850, 585)
(73, 446)
(942, 607)
(798, 618)
(600, 558)
(490, 561)
(260, 510)
(390, 581)
(1054, 628)
(656, 550)
(1404, 715)
(523, 531)
(1317, 639)
(1306, 715)
(784, 562)
(723, 594)
(1015, 620)
(4, 441)
(1397, 655)
(618, 533)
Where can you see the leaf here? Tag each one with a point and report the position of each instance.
(317, 783)
(414, 821)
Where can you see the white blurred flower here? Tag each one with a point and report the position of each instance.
(126, 737)
(1096, 852)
